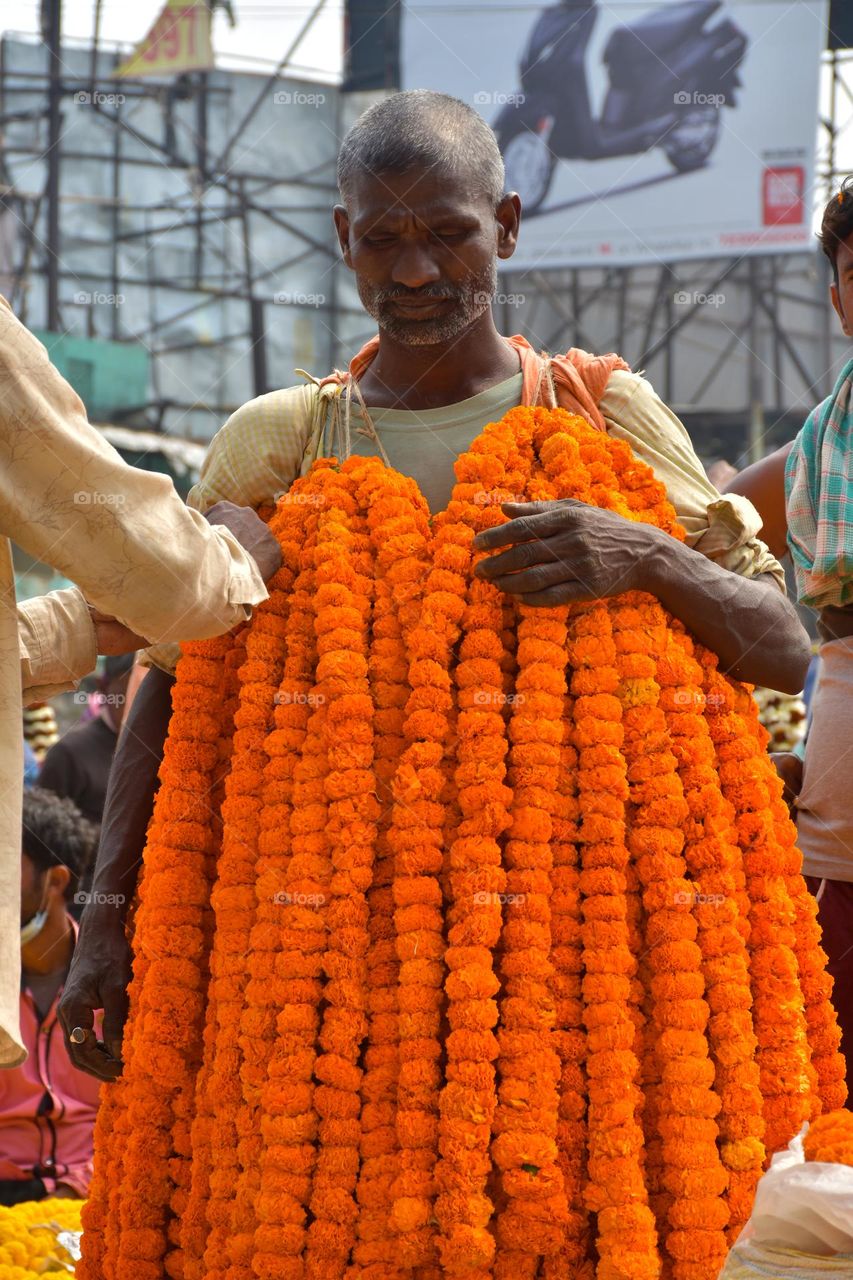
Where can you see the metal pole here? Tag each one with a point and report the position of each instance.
(755, 440)
(52, 28)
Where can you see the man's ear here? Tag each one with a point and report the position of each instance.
(341, 218)
(508, 216)
(839, 310)
(57, 880)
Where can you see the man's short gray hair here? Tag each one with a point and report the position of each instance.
(420, 129)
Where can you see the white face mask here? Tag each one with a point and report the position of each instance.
(33, 927)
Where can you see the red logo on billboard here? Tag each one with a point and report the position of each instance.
(784, 196)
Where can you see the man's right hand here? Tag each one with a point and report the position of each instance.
(98, 979)
(251, 532)
(790, 769)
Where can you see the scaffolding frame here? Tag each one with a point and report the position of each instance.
(778, 341)
(216, 276)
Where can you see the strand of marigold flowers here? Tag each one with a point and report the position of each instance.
(824, 1034)
(486, 475)
(268, 987)
(626, 1238)
(712, 859)
(616, 481)
(783, 1050)
(607, 467)
(533, 1215)
(101, 1214)
(220, 702)
(230, 1241)
(569, 1036)
(342, 622)
(284, 1183)
(475, 882)
(429, 622)
(186, 808)
(167, 988)
(387, 498)
(646, 501)
(687, 1104)
(193, 1223)
(283, 1170)
(289, 1121)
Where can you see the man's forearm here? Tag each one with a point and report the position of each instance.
(132, 786)
(747, 622)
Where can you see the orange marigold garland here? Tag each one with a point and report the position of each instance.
(490, 939)
(830, 1138)
(784, 1056)
(475, 882)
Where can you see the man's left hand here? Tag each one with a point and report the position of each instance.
(564, 552)
(112, 636)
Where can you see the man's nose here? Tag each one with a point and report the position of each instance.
(414, 267)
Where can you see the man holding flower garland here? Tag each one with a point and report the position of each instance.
(423, 221)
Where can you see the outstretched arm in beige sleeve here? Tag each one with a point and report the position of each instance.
(122, 534)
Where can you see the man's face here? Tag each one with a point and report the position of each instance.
(842, 293)
(424, 251)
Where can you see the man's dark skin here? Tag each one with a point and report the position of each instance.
(416, 242)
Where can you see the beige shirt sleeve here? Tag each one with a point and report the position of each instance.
(122, 534)
(723, 528)
(252, 459)
(57, 643)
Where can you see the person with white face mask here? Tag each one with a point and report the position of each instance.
(47, 1106)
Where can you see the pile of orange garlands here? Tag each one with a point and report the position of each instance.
(471, 938)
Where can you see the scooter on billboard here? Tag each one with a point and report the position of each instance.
(669, 74)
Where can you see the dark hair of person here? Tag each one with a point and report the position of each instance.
(837, 224)
(55, 834)
(420, 129)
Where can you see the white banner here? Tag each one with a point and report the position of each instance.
(638, 132)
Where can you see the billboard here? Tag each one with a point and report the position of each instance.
(638, 131)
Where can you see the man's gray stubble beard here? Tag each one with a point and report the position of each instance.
(415, 333)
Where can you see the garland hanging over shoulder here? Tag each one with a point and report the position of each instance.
(472, 941)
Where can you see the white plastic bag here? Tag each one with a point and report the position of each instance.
(801, 1224)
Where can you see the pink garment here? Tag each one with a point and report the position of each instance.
(580, 378)
(47, 1108)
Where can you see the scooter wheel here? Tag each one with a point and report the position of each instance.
(529, 164)
(692, 138)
